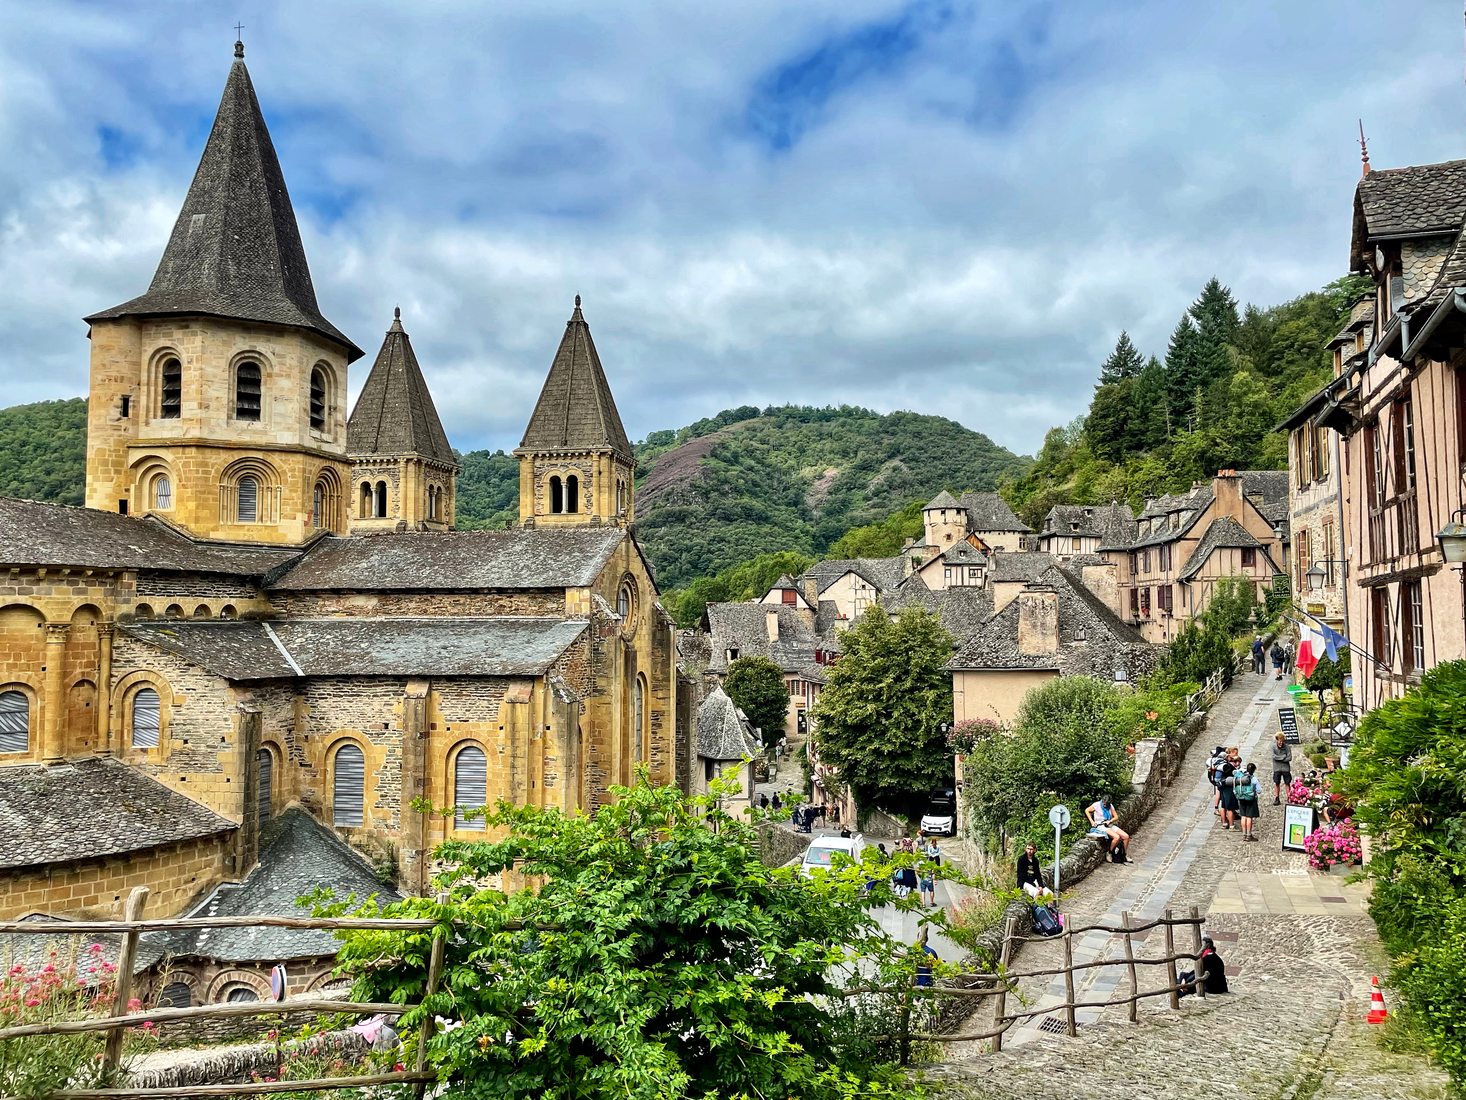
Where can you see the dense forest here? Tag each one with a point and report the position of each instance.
(43, 451)
(1156, 425)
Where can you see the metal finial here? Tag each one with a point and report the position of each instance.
(577, 301)
(239, 40)
(1363, 148)
(396, 313)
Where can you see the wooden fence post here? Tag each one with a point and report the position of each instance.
(1069, 978)
(1200, 988)
(435, 974)
(132, 910)
(1171, 966)
(1130, 965)
(1005, 956)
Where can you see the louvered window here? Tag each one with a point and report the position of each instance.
(162, 493)
(15, 722)
(146, 719)
(176, 995)
(348, 787)
(247, 502)
(318, 399)
(241, 994)
(470, 786)
(247, 392)
(171, 405)
(267, 782)
(317, 503)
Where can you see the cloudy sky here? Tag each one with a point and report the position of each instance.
(950, 207)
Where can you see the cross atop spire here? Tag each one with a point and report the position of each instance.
(239, 40)
(1363, 149)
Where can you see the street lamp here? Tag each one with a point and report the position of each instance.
(1452, 538)
(1317, 575)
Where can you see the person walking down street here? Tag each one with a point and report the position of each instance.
(928, 886)
(1031, 875)
(1259, 665)
(1214, 764)
(1282, 767)
(776, 802)
(1278, 656)
(1226, 783)
(763, 801)
(1248, 793)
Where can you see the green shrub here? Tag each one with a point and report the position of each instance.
(1433, 979)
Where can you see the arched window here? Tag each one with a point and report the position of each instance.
(638, 717)
(381, 512)
(15, 722)
(348, 787)
(318, 504)
(247, 500)
(318, 399)
(247, 379)
(228, 611)
(572, 494)
(432, 502)
(147, 719)
(170, 392)
(364, 506)
(176, 995)
(241, 994)
(162, 493)
(470, 786)
(557, 496)
(267, 782)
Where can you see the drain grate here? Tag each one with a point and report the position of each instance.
(1053, 1026)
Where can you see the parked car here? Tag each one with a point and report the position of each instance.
(940, 818)
(823, 849)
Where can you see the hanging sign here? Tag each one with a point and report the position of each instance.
(1298, 823)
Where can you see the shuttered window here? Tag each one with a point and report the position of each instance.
(176, 995)
(15, 722)
(247, 392)
(470, 786)
(267, 780)
(162, 493)
(241, 994)
(171, 403)
(146, 719)
(247, 506)
(348, 787)
(318, 400)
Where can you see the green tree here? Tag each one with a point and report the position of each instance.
(1110, 426)
(756, 685)
(1124, 362)
(657, 958)
(879, 717)
(1215, 314)
(883, 539)
(1183, 371)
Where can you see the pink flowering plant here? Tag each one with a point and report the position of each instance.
(964, 735)
(1332, 845)
(1311, 790)
(54, 988)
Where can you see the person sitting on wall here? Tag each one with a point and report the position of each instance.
(1104, 823)
(1030, 874)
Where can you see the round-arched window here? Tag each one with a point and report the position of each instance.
(162, 493)
(626, 605)
(15, 722)
(470, 786)
(247, 500)
(348, 787)
(147, 719)
(241, 994)
(176, 995)
(319, 391)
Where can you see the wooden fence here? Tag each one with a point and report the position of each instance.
(1003, 981)
(119, 1020)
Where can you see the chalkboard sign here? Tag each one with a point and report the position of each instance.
(1288, 718)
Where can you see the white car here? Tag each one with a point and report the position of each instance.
(823, 849)
(941, 816)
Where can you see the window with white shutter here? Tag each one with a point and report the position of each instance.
(267, 779)
(247, 503)
(15, 722)
(348, 789)
(147, 721)
(470, 786)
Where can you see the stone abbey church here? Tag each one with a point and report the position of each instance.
(264, 609)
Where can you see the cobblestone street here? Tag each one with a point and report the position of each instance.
(1299, 951)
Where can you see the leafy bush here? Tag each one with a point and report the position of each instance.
(756, 685)
(1433, 979)
(1153, 710)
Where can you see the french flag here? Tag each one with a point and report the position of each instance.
(1310, 646)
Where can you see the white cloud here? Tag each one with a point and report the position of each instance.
(961, 230)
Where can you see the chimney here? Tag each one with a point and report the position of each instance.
(1228, 490)
(811, 589)
(1038, 620)
(772, 617)
(1104, 581)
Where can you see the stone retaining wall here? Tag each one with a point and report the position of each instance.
(777, 845)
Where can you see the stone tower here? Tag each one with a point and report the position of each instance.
(218, 397)
(944, 521)
(404, 473)
(575, 463)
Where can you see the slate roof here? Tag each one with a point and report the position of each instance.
(90, 809)
(943, 499)
(1092, 639)
(1268, 490)
(235, 249)
(35, 533)
(296, 856)
(33, 950)
(744, 627)
(1222, 532)
(723, 732)
(1417, 200)
(519, 558)
(394, 414)
(575, 411)
(961, 610)
(244, 650)
(1020, 565)
(1109, 522)
(963, 553)
(990, 512)
(881, 573)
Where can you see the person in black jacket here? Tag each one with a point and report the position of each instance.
(1030, 874)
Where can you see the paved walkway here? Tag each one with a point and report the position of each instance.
(1298, 945)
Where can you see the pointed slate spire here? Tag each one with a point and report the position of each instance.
(575, 411)
(395, 414)
(235, 250)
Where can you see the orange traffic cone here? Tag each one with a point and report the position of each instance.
(1378, 1014)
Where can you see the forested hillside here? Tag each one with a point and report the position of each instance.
(43, 451)
(1157, 424)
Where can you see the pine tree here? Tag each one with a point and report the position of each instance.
(1183, 371)
(1124, 362)
(1150, 418)
(1110, 425)
(1217, 324)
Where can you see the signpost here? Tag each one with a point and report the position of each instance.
(1288, 717)
(1059, 819)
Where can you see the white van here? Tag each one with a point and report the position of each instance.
(823, 849)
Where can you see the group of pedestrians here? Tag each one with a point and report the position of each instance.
(1281, 654)
(924, 878)
(1238, 790)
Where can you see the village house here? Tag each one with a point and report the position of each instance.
(1399, 405)
(1070, 530)
(263, 610)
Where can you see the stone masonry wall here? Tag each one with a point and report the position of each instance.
(355, 604)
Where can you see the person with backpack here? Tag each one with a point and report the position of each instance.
(1247, 790)
(1279, 655)
(1214, 764)
(1226, 786)
(1259, 665)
